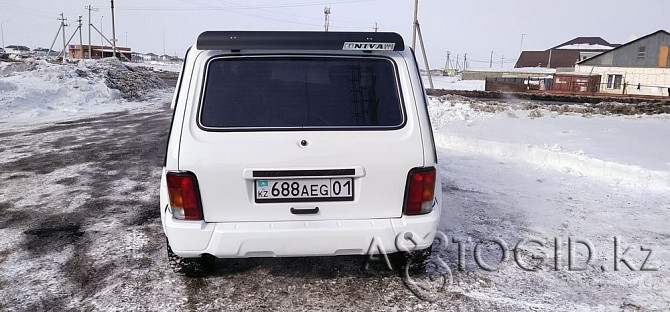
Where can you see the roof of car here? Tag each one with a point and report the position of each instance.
(299, 40)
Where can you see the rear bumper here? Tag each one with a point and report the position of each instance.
(299, 238)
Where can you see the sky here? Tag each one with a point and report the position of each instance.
(480, 28)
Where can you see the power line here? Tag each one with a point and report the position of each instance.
(27, 11)
(252, 15)
(243, 7)
(310, 18)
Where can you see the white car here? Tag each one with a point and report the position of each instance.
(289, 144)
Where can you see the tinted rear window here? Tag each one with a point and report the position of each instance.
(298, 92)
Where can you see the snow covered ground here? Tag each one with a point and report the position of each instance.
(454, 83)
(80, 227)
(620, 150)
(515, 176)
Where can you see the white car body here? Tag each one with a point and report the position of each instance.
(231, 166)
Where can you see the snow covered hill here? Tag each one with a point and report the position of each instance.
(33, 92)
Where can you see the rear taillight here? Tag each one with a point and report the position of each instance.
(420, 191)
(184, 196)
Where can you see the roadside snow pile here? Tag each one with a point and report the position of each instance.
(622, 150)
(133, 82)
(449, 108)
(159, 66)
(38, 91)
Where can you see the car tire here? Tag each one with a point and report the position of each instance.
(191, 267)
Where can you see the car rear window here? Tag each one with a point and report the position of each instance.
(301, 92)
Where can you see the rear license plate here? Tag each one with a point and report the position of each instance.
(304, 190)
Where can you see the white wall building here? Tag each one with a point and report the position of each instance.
(636, 81)
(639, 67)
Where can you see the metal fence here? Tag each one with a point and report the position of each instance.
(518, 84)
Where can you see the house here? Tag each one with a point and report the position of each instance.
(44, 52)
(150, 57)
(566, 54)
(587, 46)
(136, 57)
(76, 51)
(16, 49)
(173, 59)
(639, 67)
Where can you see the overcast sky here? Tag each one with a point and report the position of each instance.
(475, 27)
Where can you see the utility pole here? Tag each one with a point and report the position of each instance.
(2, 30)
(416, 16)
(103, 36)
(417, 31)
(60, 27)
(326, 24)
(163, 42)
(102, 44)
(491, 63)
(90, 8)
(425, 58)
(63, 25)
(446, 65)
(549, 62)
(465, 61)
(81, 44)
(521, 47)
(502, 62)
(71, 37)
(113, 32)
(376, 27)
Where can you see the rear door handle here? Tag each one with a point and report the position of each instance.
(315, 210)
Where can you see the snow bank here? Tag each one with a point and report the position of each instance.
(454, 83)
(626, 151)
(552, 157)
(38, 91)
(451, 108)
(133, 82)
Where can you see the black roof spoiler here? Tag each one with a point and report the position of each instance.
(299, 40)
